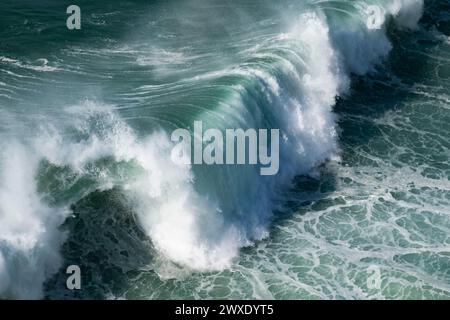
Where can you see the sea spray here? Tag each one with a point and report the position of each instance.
(29, 235)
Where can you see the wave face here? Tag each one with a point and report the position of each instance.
(114, 93)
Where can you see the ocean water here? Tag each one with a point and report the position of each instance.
(85, 171)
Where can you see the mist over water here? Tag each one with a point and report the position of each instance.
(85, 170)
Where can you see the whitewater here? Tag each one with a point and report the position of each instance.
(85, 152)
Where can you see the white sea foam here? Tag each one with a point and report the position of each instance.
(29, 236)
(39, 65)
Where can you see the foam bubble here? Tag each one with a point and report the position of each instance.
(29, 235)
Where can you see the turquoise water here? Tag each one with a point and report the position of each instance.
(364, 181)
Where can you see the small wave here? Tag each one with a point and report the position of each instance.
(40, 65)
